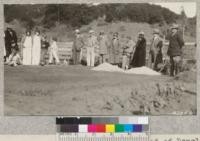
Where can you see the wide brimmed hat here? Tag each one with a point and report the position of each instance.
(175, 26)
(77, 31)
(141, 33)
(156, 31)
(101, 32)
(91, 31)
(128, 37)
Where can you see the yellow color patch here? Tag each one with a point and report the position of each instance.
(110, 128)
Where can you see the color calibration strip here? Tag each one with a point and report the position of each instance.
(102, 125)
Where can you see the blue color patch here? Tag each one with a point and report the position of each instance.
(137, 128)
(128, 128)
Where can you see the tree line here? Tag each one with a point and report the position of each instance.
(76, 15)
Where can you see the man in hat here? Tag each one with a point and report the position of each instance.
(155, 54)
(139, 57)
(103, 47)
(53, 51)
(44, 49)
(176, 43)
(92, 43)
(115, 49)
(77, 46)
(128, 49)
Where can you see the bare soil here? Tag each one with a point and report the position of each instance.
(77, 90)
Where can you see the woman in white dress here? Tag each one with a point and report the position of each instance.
(27, 50)
(36, 48)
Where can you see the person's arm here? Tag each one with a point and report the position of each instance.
(180, 40)
(73, 46)
(82, 43)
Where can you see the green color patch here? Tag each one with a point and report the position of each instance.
(119, 128)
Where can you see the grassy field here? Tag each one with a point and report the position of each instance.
(77, 90)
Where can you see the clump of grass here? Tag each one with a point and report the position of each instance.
(35, 92)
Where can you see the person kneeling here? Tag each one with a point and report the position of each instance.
(14, 59)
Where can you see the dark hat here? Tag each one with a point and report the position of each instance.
(175, 26)
(54, 38)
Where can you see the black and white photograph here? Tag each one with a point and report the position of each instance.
(100, 59)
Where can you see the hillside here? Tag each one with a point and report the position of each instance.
(61, 20)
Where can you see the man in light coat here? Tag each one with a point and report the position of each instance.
(115, 49)
(77, 47)
(103, 47)
(128, 50)
(53, 52)
(92, 43)
(155, 54)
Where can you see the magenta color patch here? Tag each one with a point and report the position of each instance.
(91, 128)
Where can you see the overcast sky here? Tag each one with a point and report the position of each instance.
(189, 7)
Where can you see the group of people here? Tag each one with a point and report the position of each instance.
(133, 53)
(105, 49)
(34, 49)
(129, 54)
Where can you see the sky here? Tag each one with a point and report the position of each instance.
(189, 7)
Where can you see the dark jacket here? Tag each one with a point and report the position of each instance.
(9, 39)
(78, 44)
(175, 45)
(139, 57)
(45, 44)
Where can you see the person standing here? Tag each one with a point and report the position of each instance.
(10, 37)
(103, 47)
(155, 54)
(27, 49)
(36, 51)
(77, 47)
(44, 50)
(176, 43)
(115, 49)
(139, 57)
(53, 52)
(4, 49)
(92, 44)
(127, 52)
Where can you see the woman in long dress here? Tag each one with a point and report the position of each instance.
(139, 57)
(36, 48)
(27, 50)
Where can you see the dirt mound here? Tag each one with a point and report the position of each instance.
(113, 68)
(108, 67)
(142, 70)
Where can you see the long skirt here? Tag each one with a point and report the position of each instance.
(27, 53)
(36, 51)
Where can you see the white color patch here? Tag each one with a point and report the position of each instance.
(83, 128)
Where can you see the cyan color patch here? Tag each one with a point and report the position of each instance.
(128, 128)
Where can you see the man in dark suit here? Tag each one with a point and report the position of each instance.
(175, 50)
(10, 38)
